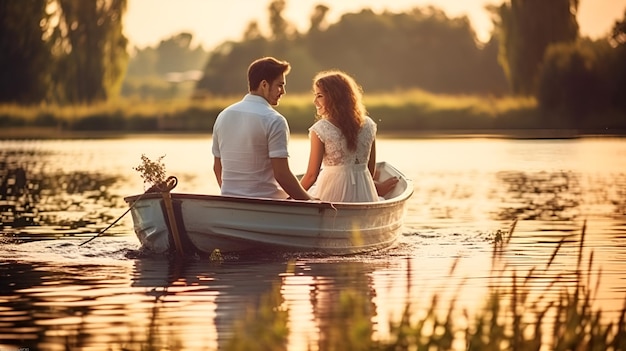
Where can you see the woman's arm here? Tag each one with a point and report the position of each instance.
(315, 162)
(371, 163)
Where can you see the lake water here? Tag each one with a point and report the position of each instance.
(109, 294)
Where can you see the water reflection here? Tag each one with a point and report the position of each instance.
(157, 303)
(541, 196)
(560, 196)
(37, 203)
(55, 293)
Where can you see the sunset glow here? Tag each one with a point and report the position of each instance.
(147, 22)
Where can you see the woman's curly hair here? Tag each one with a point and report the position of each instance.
(343, 103)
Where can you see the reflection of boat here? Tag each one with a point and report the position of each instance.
(210, 302)
(202, 223)
(204, 299)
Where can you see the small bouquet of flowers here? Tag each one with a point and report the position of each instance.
(153, 174)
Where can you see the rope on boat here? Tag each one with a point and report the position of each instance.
(162, 187)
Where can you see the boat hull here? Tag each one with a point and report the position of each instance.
(205, 223)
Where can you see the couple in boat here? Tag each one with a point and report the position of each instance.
(250, 140)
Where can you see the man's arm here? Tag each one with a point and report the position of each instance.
(217, 169)
(287, 180)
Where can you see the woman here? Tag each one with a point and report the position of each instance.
(343, 139)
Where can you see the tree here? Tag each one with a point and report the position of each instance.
(420, 48)
(92, 48)
(618, 34)
(176, 54)
(526, 28)
(616, 64)
(225, 70)
(143, 63)
(281, 28)
(570, 85)
(318, 18)
(582, 84)
(387, 51)
(25, 57)
(252, 32)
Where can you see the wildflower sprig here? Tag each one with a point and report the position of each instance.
(152, 172)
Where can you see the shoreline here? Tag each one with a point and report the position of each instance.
(42, 133)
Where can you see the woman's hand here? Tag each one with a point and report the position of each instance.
(384, 187)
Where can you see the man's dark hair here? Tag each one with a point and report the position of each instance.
(266, 68)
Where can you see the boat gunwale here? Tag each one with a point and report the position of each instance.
(276, 202)
(400, 198)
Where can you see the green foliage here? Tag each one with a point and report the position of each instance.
(226, 67)
(616, 68)
(581, 84)
(92, 50)
(124, 115)
(64, 51)
(420, 111)
(618, 35)
(526, 28)
(173, 56)
(25, 58)
(387, 51)
(570, 88)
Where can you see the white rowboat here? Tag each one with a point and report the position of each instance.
(185, 223)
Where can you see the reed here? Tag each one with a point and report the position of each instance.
(418, 110)
(395, 111)
(512, 318)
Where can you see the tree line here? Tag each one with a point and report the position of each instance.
(535, 50)
(420, 48)
(74, 52)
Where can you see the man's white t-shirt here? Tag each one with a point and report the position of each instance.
(246, 135)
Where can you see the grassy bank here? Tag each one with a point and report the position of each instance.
(402, 112)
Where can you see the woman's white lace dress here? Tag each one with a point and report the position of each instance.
(344, 176)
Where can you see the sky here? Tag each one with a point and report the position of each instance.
(212, 22)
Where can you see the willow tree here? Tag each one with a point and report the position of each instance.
(91, 48)
(526, 28)
(25, 58)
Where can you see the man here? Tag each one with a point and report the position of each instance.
(250, 139)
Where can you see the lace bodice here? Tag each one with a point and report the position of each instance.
(336, 151)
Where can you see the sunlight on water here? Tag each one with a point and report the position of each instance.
(57, 194)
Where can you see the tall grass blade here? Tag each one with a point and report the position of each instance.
(556, 251)
(581, 245)
(511, 230)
